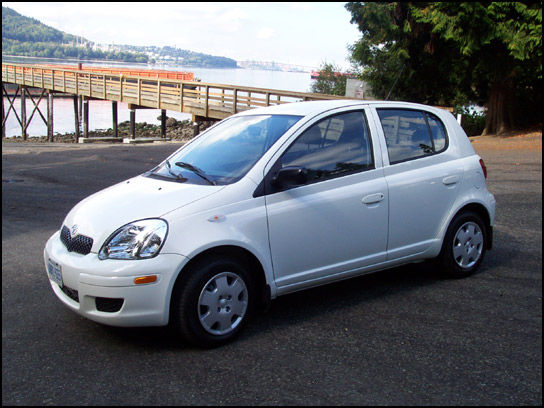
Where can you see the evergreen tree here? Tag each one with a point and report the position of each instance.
(452, 53)
(330, 81)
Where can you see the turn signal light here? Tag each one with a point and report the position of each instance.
(145, 279)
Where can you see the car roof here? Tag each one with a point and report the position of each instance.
(316, 107)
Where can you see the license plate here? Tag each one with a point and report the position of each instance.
(55, 272)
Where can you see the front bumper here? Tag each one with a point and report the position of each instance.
(105, 292)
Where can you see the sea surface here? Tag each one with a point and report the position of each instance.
(100, 112)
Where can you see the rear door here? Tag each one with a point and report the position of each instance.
(423, 177)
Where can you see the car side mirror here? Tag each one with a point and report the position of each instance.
(290, 177)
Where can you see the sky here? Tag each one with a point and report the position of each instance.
(307, 34)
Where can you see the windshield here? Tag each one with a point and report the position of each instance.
(226, 152)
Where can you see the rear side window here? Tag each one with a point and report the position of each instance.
(411, 134)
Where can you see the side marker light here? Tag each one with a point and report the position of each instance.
(145, 279)
(217, 218)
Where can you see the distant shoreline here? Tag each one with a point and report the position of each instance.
(6, 59)
(274, 66)
(72, 59)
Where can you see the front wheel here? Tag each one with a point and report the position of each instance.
(212, 301)
(464, 246)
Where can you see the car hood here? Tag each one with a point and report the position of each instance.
(99, 215)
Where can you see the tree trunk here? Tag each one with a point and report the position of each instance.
(500, 108)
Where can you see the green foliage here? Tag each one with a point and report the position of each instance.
(49, 50)
(452, 53)
(27, 36)
(392, 42)
(473, 26)
(190, 58)
(330, 81)
(25, 29)
(472, 121)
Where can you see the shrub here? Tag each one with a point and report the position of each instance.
(473, 119)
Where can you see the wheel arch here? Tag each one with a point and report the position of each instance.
(483, 213)
(241, 255)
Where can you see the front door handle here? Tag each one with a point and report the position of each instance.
(373, 198)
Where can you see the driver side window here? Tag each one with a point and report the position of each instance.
(336, 146)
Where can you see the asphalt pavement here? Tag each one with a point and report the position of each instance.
(399, 337)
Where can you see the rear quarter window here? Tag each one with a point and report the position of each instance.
(411, 134)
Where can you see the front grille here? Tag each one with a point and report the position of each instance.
(79, 244)
(108, 305)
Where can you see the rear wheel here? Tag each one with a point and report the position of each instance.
(213, 301)
(464, 246)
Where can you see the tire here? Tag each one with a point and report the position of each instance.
(464, 246)
(212, 301)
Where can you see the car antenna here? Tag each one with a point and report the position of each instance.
(395, 83)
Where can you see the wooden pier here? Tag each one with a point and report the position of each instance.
(165, 90)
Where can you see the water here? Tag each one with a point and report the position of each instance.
(100, 112)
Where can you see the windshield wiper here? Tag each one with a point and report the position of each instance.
(197, 171)
(178, 176)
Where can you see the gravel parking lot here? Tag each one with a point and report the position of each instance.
(400, 337)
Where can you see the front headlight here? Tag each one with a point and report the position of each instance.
(137, 240)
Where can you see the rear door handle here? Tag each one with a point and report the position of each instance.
(448, 181)
(373, 198)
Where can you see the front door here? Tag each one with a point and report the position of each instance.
(336, 220)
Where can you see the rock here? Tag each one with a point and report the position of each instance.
(170, 122)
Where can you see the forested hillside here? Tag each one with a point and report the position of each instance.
(24, 36)
(25, 29)
(28, 37)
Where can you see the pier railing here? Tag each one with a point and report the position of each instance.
(207, 100)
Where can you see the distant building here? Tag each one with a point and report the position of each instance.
(356, 88)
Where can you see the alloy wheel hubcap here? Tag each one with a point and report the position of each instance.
(468, 245)
(222, 304)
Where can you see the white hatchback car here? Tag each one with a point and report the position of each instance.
(272, 201)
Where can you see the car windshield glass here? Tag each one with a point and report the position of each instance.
(226, 152)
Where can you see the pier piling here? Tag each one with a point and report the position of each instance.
(114, 115)
(76, 118)
(132, 123)
(50, 116)
(163, 123)
(85, 118)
